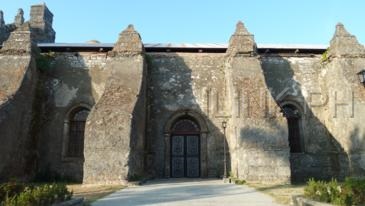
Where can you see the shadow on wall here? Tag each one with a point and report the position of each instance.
(67, 92)
(175, 84)
(137, 136)
(265, 153)
(357, 153)
(322, 157)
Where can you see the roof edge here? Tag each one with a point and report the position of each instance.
(185, 46)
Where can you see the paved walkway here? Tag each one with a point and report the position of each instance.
(187, 192)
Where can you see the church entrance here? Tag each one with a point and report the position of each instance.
(185, 149)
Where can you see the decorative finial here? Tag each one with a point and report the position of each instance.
(19, 18)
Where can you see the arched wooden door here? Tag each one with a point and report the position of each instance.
(185, 149)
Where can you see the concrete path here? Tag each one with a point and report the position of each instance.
(187, 192)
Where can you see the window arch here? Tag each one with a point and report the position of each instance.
(74, 131)
(293, 116)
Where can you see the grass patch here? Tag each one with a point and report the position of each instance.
(282, 194)
(236, 180)
(240, 182)
(92, 193)
(28, 194)
(350, 192)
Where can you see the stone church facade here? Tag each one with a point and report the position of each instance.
(109, 113)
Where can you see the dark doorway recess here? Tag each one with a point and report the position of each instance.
(185, 149)
(292, 115)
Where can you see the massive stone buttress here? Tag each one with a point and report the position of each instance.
(260, 152)
(18, 79)
(345, 97)
(18, 91)
(114, 134)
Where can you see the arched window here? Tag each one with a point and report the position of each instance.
(293, 117)
(77, 120)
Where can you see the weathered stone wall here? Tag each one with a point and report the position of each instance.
(135, 97)
(70, 80)
(328, 92)
(240, 87)
(219, 87)
(199, 83)
(296, 81)
(191, 82)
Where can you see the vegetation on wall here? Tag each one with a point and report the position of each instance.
(44, 61)
(350, 192)
(325, 56)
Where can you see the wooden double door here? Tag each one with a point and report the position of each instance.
(185, 155)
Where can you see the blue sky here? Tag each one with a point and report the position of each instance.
(194, 21)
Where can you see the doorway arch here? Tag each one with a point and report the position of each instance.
(186, 128)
